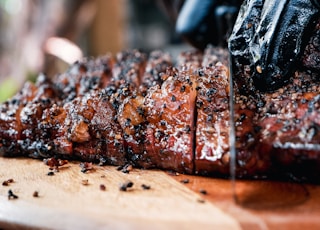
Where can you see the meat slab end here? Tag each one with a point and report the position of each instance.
(277, 133)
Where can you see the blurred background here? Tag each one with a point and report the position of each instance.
(46, 36)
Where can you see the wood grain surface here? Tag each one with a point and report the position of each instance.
(66, 202)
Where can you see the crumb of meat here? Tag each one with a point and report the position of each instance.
(35, 194)
(7, 182)
(125, 168)
(102, 187)
(85, 182)
(86, 166)
(55, 163)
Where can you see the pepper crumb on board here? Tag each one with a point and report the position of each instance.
(145, 187)
(50, 173)
(55, 163)
(11, 195)
(51, 162)
(120, 167)
(125, 168)
(123, 187)
(102, 187)
(7, 182)
(35, 194)
(86, 166)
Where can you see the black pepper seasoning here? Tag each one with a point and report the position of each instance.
(211, 91)
(123, 187)
(163, 122)
(50, 173)
(120, 167)
(145, 187)
(11, 195)
(187, 128)
(185, 181)
(203, 191)
(201, 73)
(140, 111)
(128, 122)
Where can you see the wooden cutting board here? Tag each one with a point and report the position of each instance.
(65, 202)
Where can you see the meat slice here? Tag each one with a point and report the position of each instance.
(170, 123)
(277, 133)
(132, 112)
(126, 99)
(86, 129)
(132, 119)
(290, 120)
(281, 136)
(212, 128)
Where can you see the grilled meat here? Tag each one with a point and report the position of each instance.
(212, 128)
(170, 119)
(143, 110)
(279, 132)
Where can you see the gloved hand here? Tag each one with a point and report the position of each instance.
(269, 35)
(203, 22)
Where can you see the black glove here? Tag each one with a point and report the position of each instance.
(269, 35)
(203, 22)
